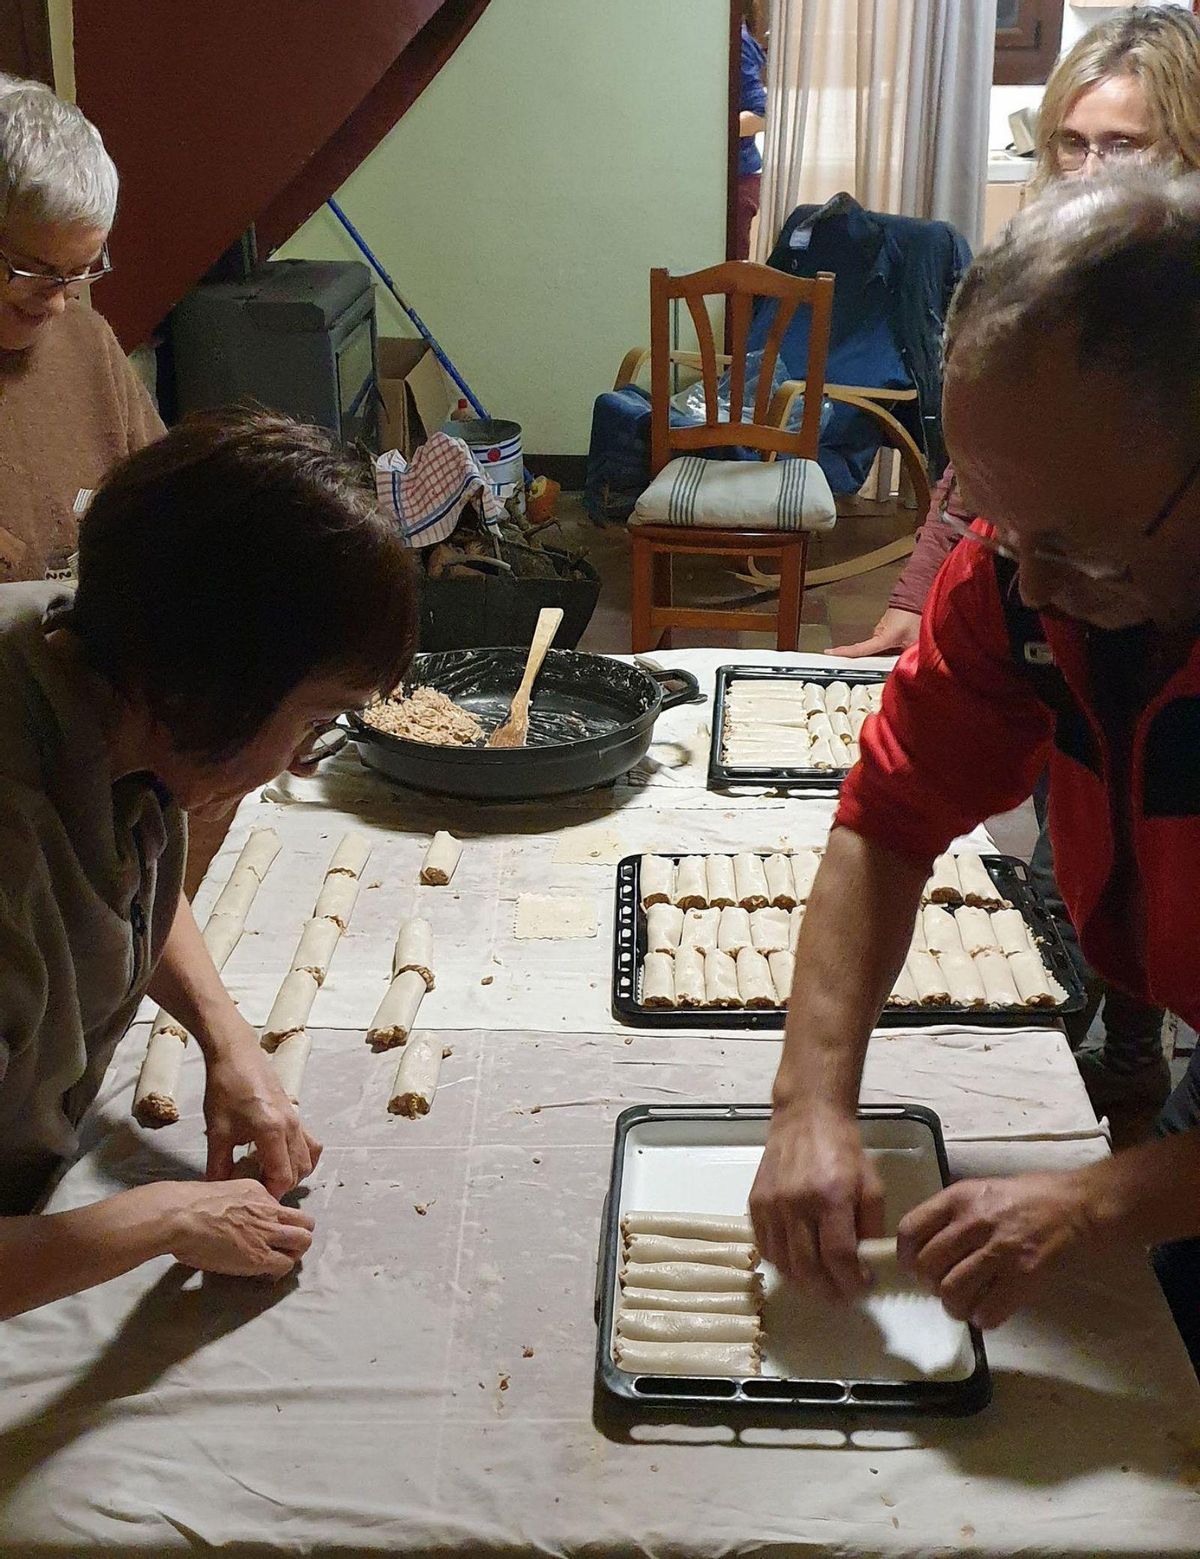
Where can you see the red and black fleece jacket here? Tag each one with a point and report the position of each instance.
(971, 715)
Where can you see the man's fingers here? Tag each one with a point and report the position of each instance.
(919, 1226)
(951, 1245)
(997, 1303)
(806, 1256)
(837, 1243)
(787, 1240)
(770, 1223)
(770, 1233)
(871, 1225)
(964, 1288)
(314, 1150)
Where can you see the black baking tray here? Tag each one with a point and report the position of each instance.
(1011, 877)
(722, 777)
(767, 1394)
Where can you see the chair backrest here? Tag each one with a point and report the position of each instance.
(741, 283)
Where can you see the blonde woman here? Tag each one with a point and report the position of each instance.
(1129, 88)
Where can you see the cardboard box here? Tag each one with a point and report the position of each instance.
(416, 395)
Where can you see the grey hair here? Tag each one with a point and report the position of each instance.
(53, 165)
(1116, 261)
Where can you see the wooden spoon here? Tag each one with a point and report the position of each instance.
(516, 728)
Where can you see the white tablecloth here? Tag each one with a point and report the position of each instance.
(509, 850)
(425, 1385)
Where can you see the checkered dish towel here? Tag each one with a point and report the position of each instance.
(428, 493)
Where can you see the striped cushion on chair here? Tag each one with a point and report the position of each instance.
(738, 495)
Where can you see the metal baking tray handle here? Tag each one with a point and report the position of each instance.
(601, 1247)
(709, 1112)
(327, 739)
(679, 686)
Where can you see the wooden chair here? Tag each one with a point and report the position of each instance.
(877, 404)
(914, 485)
(655, 546)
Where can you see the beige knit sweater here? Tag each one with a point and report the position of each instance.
(70, 407)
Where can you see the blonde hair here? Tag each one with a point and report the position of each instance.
(1161, 49)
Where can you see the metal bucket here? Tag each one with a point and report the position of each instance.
(497, 447)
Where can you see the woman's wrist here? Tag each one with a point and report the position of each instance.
(152, 1222)
(224, 1032)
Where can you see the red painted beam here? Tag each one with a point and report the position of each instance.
(219, 113)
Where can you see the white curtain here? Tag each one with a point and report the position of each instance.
(887, 99)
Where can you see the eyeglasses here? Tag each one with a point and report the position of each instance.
(1100, 570)
(324, 739)
(1072, 151)
(50, 281)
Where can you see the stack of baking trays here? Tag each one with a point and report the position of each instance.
(710, 941)
(788, 728)
(688, 1312)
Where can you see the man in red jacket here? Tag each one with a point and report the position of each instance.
(1065, 630)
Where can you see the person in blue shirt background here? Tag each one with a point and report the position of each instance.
(752, 106)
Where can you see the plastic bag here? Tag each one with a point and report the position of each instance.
(690, 402)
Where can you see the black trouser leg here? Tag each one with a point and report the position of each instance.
(1132, 1028)
(1041, 875)
(1177, 1265)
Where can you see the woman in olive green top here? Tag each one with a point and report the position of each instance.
(237, 588)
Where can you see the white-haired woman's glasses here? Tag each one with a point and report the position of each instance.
(50, 281)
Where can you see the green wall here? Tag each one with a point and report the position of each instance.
(567, 147)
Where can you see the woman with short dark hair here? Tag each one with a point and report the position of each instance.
(237, 589)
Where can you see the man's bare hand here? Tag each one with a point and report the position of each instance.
(815, 1196)
(985, 1246)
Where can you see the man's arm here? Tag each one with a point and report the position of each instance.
(984, 1246)
(235, 1228)
(815, 1195)
(1148, 1194)
(243, 1099)
(960, 737)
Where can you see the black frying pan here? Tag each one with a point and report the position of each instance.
(591, 719)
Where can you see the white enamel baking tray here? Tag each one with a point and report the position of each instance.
(895, 1350)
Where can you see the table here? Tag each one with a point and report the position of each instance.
(426, 1384)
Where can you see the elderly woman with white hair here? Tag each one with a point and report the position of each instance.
(71, 405)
